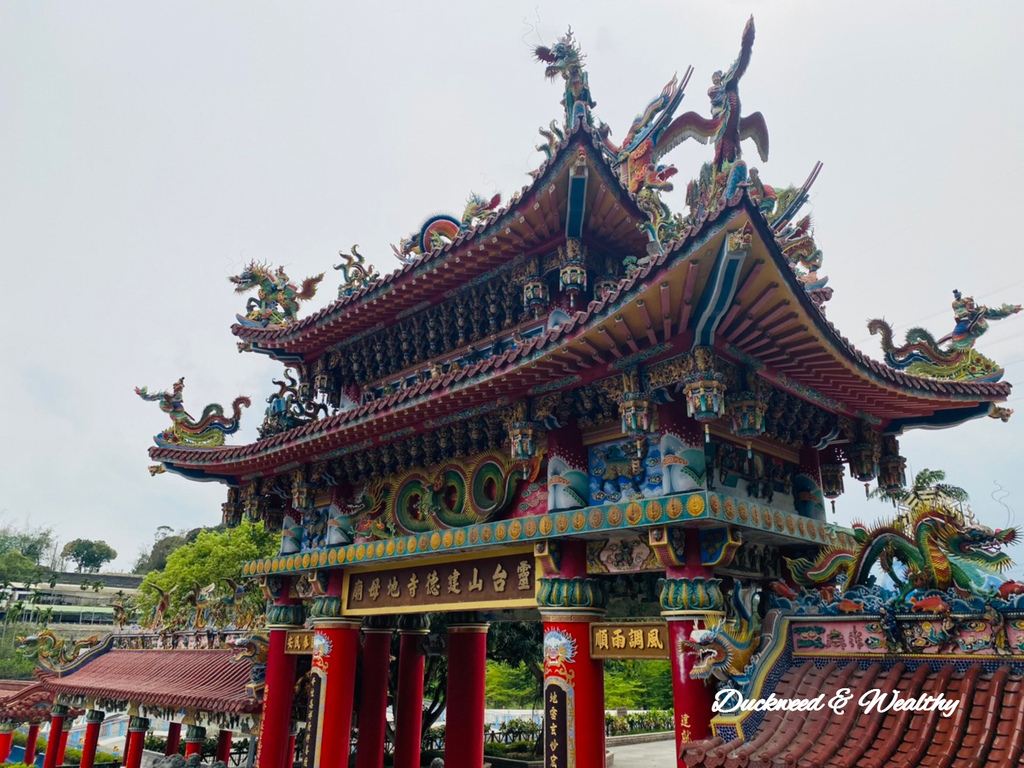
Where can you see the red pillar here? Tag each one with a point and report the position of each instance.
(30, 743)
(224, 746)
(6, 734)
(373, 705)
(93, 721)
(573, 681)
(409, 708)
(173, 738)
(689, 594)
(467, 662)
(335, 649)
(194, 738)
(58, 713)
(64, 741)
(136, 741)
(290, 758)
(279, 689)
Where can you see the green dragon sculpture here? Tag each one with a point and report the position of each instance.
(206, 432)
(53, 652)
(564, 59)
(922, 355)
(277, 302)
(938, 547)
(724, 650)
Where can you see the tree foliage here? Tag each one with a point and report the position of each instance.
(211, 558)
(31, 542)
(928, 483)
(88, 554)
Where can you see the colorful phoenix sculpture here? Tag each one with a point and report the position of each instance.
(206, 432)
(921, 355)
(936, 546)
(277, 302)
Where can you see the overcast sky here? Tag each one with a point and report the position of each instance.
(148, 150)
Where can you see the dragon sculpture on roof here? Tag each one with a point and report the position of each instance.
(206, 432)
(937, 545)
(277, 302)
(565, 59)
(53, 652)
(724, 650)
(922, 355)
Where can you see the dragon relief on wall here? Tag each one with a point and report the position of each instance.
(451, 494)
(206, 432)
(277, 300)
(922, 355)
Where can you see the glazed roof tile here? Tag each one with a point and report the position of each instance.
(986, 729)
(26, 701)
(211, 681)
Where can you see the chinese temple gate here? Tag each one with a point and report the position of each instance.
(548, 392)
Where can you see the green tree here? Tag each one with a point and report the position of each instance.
(163, 547)
(31, 542)
(928, 484)
(89, 555)
(213, 557)
(16, 567)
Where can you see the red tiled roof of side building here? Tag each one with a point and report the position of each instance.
(210, 681)
(26, 701)
(986, 728)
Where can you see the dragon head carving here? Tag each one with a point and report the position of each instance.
(724, 650)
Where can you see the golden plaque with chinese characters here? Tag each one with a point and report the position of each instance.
(629, 640)
(456, 583)
(299, 642)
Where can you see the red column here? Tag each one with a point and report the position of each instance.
(279, 688)
(409, 708)
(224, 746)
(573, 681)
(373, 705)
(467, 662)
(64, 741)
(93, 721)
(335, 649)
(689, 594)
(290, 758)
(136, 741)
(30, 743)
(6, 733)
(194, 738)
(58, 713)
(173, 738)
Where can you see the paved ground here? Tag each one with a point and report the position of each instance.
(653, 755)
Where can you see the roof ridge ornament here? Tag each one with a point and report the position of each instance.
(207, 431)
(922, 355)
(354, 272)
(441, 229)
(277, 302)
(565, 59)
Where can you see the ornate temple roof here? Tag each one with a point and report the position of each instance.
(205, 680)
(532, 222)
(769, 321)
(987, 729)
